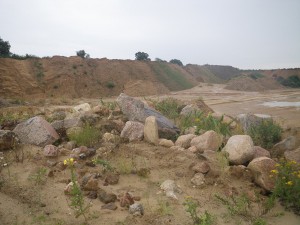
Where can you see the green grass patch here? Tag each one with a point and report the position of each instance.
(89, 136)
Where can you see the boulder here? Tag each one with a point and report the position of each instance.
(198, 106)
(136, 110)
(260, 168)
(151, 130)
(201, 167)
(106, 197)
(85, 107)
(293, 155)
(134, 131)
(8, 140)
(170, 188)
(184, 141)
(112, 138)
(36, 131)
(126, 199)
(240, 149)
(110, 206)
(59, 115)
(166, 143)
(286, 144)
(67, 123)
(198, 179)
(136, 209)
(249, 120)
(260, 152)
(210, 140)
(50, 151)
(189, 110)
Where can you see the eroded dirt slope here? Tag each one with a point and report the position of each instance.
(65, 77)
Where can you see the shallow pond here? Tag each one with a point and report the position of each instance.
(281, 104)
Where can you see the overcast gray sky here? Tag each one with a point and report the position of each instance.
(242, 33)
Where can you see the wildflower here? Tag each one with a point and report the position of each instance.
(65, 162)
(197, 120)
(293, 162)
(71, 160)
(274, 171)
(277, 165)
(290, 183)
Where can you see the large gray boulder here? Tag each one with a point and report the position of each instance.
(240, 149)
(8, 139)
(136, 110)
(36, 131)
(133, 130)
(261, 168)
(249, 120)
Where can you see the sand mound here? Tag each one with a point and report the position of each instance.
(248, 84)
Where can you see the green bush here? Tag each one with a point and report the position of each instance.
(287, 184)
(110, 85)
(89, 136)
(266, 134)
(210, 123)
(292, 81)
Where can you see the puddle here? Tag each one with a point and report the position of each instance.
(281, 104)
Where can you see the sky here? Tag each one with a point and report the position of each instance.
(248, 34)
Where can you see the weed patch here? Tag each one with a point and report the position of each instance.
(287, 186)
(89, 136)
(191, 207)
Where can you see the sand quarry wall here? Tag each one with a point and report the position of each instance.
(74, 77)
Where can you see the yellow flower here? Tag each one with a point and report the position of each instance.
(274, 171)
(289, 183)
(71, 160)
(277, 165)
(65, 162)
(197, 120)
(293, 162)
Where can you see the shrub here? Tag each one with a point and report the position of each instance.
(210, 123)
(266, 134)
(110, 85)
(287, 184)
(256, 75)
(292, 81)
(87, 137)
(169, 107)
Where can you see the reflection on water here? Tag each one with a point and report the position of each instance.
(281, 104)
